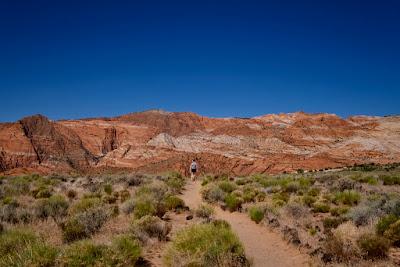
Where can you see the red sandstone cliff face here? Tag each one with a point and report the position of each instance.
(155, 141)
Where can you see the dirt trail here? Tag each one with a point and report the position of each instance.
(263, 246)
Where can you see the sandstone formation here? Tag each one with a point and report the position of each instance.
(155, 141)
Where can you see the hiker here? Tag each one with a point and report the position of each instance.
(193, 170)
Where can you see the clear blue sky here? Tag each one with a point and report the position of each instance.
(217, 58)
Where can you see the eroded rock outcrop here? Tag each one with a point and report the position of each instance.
(110, 142)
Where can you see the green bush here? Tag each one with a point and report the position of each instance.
(256, 214)
(43, 193)
(373, 246)
(20, 247)
(143, 207)
(309, 200)
(108, 189)
(85, 253)
(232, 202)
(390, 179)
(249, 195)
(55, 206)
(347, 197)
(384, 223)
(338, 211)
(127, 251)
(393, 233)
(321, 207)
(175, 181)
(227, 186)
(204, 211)
(174, 203)
(85, 204)
(314, 192)
(206, 245)
(283, 196)
(150, 227)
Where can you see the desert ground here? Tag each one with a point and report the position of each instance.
(343, 217)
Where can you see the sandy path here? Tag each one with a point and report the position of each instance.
(263, 246)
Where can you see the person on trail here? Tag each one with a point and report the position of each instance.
(193, 170)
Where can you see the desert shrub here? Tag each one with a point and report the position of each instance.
(71, 194)
(309, 200)
(19, 185)
(242, 181)
(392, 206)
(295, 210)
(331, 223)
(204, 211)
(135, 180)
(347, 197)
(390, 179)
(85, 253)
(338, 211)
(213, 193)
(384, 223)
(143, 207)
(126, 250)
(19, 247)
(249, 195)
(291, 187)
(206, 245)
(367, 211)
(314, 192)
(282, 196)
(109, 199)
(84, 224)
(124, 195)
(150, 200)
(13, 213)
(128, 206)
(342, 245)
(175, 181)
(369, 179)
(85, 204)
(393, 233)
(321, 207)
(42, 193)
(227, 186)
(108, 189)
(256, 213)
(373, 246)
(150, 227)
(232, 203)
(55, 206)
(174, 203)
(261, 196)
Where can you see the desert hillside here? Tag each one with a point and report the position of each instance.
(155, 141)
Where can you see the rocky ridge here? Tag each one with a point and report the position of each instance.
(156, 141)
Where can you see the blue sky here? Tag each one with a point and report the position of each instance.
(217, 58)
